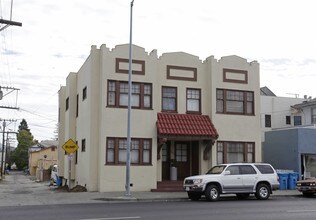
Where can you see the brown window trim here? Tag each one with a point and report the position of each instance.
(193, 69)
(244, 102)
(245, 150)
(116, 152)
(141, 94)
(242, 72)
(122, 60)
(200, 102)
(176, 101)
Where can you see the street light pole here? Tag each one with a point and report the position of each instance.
(128, 149)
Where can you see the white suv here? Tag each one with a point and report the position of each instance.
(241, 179)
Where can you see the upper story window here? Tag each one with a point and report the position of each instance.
(83, 145)
(193, 101)
(77, 106)
(267, 121)
(297, 120)
(67, 103)
(234, 102)
(169, 99)
(288, 120)
(141, 96)
(313, 115)
(84, 93)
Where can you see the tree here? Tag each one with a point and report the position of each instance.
(25, 140)
(23, 126)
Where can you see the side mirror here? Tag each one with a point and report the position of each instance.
(226, 172)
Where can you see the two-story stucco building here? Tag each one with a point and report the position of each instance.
(186, 112)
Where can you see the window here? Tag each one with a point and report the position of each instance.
(140, 151)
(141, 95)
(234, 102)
(234, 170)
(67, 103)
(77, 106)
(232, 152)
(267, 121)
(193, 100)
(83, 145)
(297, 120)
(288, 120)
(76, 155)
(181, 153)
(220, 152)
(265, 169)
(313, 110)
(84, 93)
(169, 99)
(247, 169)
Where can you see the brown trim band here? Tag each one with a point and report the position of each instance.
(122, 60)
(192, 69)
(242, 72)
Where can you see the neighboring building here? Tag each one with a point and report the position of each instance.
(276, 112)
(42, 157)
(293, 147)
(185, 113)
(305, 113)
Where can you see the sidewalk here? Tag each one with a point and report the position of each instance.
(20, 190)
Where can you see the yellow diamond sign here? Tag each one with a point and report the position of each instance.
(70, 146)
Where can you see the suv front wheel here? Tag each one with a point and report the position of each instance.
(212, 193)
(262, 191)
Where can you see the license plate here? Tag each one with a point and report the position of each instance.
(187, 188)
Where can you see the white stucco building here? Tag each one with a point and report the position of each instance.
(186, 112)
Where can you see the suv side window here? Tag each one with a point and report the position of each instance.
(264, 169)
(234, 170)
(247, 169)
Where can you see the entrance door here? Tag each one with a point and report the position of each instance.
(165, 151)
(182, 156)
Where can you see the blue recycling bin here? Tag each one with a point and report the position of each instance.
(283, 178)
(293, 177)
(58, 180)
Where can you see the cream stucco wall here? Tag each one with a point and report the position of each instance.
(240, 128)
(96, 121)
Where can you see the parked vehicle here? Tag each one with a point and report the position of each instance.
(241, 179)
(307, 186)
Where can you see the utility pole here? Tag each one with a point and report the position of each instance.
(9, 22)
(2, 151)
(8, 91)
(3, 140)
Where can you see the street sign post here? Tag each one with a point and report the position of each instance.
(70, 146)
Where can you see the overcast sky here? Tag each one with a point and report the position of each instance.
(56, 38)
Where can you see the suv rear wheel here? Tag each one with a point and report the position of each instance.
(212, 193)
(262, 191)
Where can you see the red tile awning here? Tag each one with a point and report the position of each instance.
(199, 127)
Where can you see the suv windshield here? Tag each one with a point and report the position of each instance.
(216, 170)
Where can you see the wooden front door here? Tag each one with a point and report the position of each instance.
(182, 156)
(165, 151)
